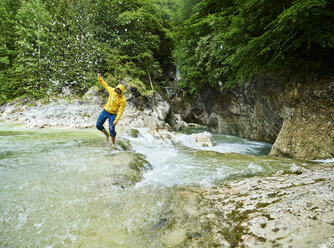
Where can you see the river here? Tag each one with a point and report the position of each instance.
(57, 188)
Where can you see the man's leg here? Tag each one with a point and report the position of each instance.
(99, 124)
(106, 134)
(112, 129)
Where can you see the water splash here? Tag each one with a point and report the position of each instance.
(57, 188)
(174, 164)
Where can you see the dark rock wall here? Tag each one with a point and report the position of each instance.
(252, 111)
(308, 128)
(293, 114)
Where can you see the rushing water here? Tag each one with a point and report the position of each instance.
(56, 191)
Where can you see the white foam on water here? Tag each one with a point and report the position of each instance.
(38, 225)
(330, 160)
(231, 144)
(22, 219)
(171, 166)
(223, 172)
(254, 168)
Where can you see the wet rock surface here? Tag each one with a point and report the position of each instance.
(293, 208)
(128, 171)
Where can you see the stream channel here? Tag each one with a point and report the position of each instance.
(66, 188)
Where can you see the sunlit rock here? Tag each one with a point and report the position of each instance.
(204, 139)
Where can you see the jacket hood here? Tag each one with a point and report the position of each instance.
(121, 87)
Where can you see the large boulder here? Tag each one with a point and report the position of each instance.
(204, 139)
(150, 111)
(308, 128)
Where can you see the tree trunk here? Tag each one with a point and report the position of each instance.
(149, 77)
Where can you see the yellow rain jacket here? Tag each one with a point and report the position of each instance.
(116, 103)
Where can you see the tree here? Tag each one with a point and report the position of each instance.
(135, 30)
(32, 61)
(198, 54)
(226, 42)
(73, 49)
(8, 11)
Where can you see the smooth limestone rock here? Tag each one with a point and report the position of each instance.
(236, 212)
(75, 113)
(293, 208)
(308, 128)
(204, 139)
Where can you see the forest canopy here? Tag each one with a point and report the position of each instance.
(48, 47)
(228, 41)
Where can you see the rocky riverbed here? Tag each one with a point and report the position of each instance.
(291, 208)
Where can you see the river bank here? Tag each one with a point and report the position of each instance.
(293, 208)
(149, 111)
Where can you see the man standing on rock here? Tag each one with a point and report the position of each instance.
(112, 111)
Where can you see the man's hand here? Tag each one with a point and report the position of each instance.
(115, 123)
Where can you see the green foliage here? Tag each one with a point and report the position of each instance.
(31, 63)
(226, 42)
(137, 84)
(310, 34)
(8, 9)
(74, 49)
(134, 34)
(186, 8)
(51, 47)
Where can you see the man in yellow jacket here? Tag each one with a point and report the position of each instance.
(113, 109)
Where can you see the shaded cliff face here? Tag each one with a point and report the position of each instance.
(308, 127)
(253, 110)
(295, 116)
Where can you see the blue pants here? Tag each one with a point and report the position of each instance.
(102, 118)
